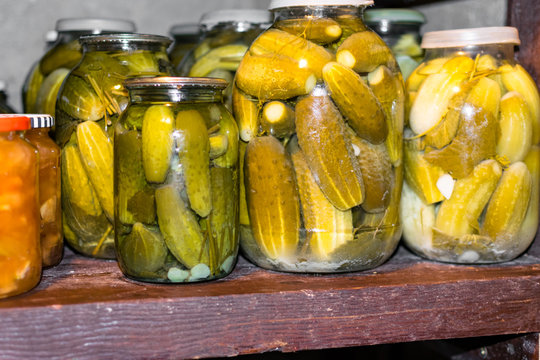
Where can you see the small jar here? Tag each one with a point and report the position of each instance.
(319, 102)
(176, 187)
(400, 30)
(52, 240)
(5, 108)
(89, 103)
(45, 78)
(226, 35)
(20, 252)
(186, 37)
(472, 153)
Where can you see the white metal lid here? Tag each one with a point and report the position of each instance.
(473, 36)
(95, 24)
(276, 4)
(254, 16)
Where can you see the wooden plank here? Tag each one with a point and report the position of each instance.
(86, 309)
(524, 14)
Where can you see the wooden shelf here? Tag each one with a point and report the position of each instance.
(85, 308)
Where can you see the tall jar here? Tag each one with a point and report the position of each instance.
(400, 30)
(43, 82)
(52, 239)
(471, 154)
(88, 106)
(20, 255)
(226, 35)
(186, 37)
(176, 181)
(319, 102)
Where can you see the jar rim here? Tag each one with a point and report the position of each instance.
(124, 38)
(395, 15)
(472, 36)
(176, 82)
(277, 4)
(253, 16)
(96, 25)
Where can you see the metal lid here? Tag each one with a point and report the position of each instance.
(173, 82)
(185, 29)
(14, 122)
(40, 120)
(474, 36)
(406, 16)
(253, 16)
(96, 25)
(125, 38)
(276, 4)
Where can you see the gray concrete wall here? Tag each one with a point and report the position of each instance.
(23, 23)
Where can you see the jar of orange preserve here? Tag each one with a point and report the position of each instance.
(20, 252)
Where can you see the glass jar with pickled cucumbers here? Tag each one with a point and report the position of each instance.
(186, 37)
(176, 181)
(89, 103)
(52, 240)
(20, 252)
(400, 30)
(45, 78)
(226, 35)
(319, 102)
(471, 149)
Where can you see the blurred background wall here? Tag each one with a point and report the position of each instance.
(23, 23)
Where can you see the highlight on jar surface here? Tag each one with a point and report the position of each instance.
(45, 78)
(176, 181)
(89, 103)
(20, 251)
(472, 152)
(52, 238)
(319, 101)
(225, 37)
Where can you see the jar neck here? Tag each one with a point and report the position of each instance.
(175, 95)
(233, 26)
(65, 37)
(318, 11)
(498, 51)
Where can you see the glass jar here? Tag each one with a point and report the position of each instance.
(400, 30)
(20, 255)
(4, 105)
(176, 187)
(319, 102)
(88, 106)
(471, 150)
(52, 241)
(226, 35)
(186, 37)
(45, 78)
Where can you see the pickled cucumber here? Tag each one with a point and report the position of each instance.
(140, 62)
(97, 156)
(63, 56)
(459, 215)
(46, 97)
(244, 216)
(157, 140)
(228, 128)
(418, 218)
(272, 199)
(347, 89)
(256, 76)
(388, 88)
(279, 43)
(226, 57)
(246, 113)
(515, 124)
(329, 153)
(143, 251)
(364, 51)
(319, 30)
(193, 146)
(180, 228)
(277, 119)
(508, 204)
(327, 227)
(34, 81)
(80, 101)
(135, 199)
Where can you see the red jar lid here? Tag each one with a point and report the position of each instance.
(14, 122)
